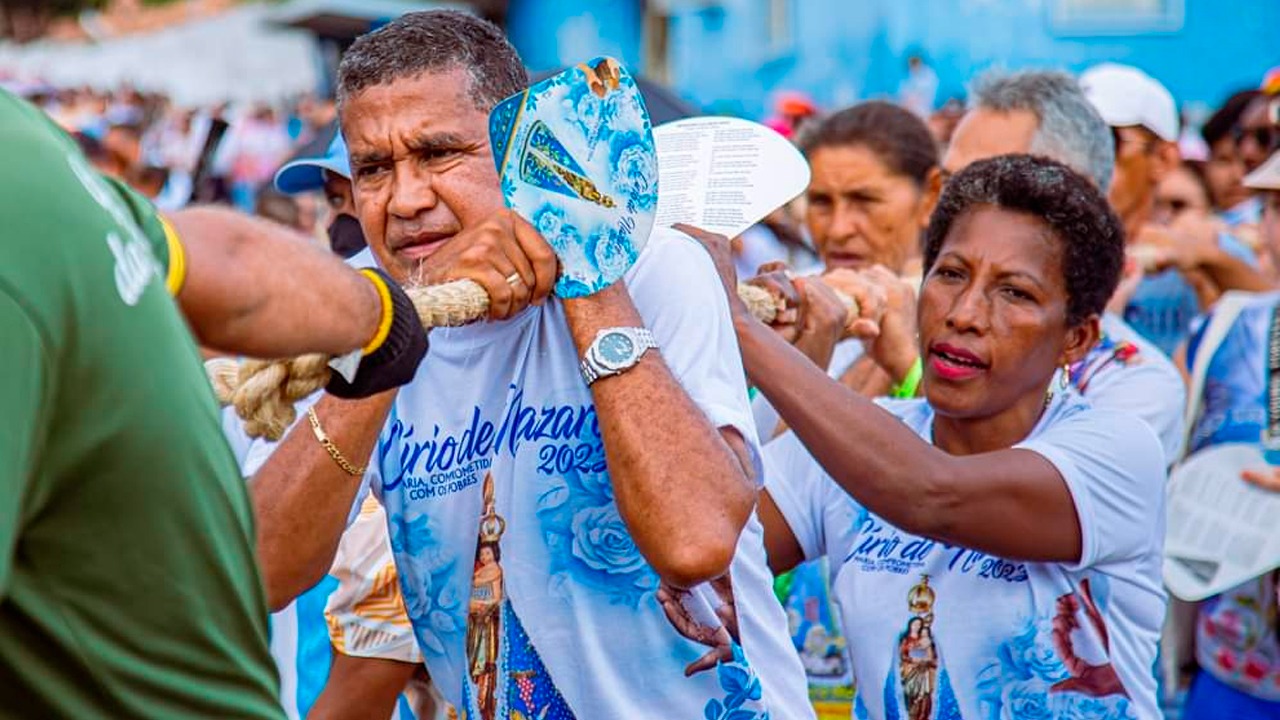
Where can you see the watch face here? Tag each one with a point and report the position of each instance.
(616, 348)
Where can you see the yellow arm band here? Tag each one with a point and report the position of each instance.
(177, 273)
(388, 312)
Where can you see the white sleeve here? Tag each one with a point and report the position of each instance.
(260, 449)
(233, 431)
(676, 290)
(1114, 468)
(765, 417)
(823, 518)
(1153, 391)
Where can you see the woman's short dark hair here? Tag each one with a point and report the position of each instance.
(1069, 204)
(899, 138)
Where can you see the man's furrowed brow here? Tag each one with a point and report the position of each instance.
(436, 141)
(369, 157)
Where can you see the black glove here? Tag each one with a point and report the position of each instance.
(395, 360)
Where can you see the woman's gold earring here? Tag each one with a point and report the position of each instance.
(1064, 382)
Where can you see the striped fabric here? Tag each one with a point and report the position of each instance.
(300, 647)
(366, 615)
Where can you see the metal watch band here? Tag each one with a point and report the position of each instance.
(592, 369)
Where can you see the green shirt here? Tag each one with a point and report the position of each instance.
(128, 581)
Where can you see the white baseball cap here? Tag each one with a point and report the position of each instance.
(1126, 96)
(1266, 176)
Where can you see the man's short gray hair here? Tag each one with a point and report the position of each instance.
(1070, 130)
(435, 41)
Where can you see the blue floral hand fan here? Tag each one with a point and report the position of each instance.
(576, 158)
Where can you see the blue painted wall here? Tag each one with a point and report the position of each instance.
(722, 56)
(551, 34)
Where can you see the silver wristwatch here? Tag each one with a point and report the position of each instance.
(614, 351)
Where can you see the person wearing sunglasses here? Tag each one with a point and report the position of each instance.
(1258, 131)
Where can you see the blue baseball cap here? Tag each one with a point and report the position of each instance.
(306, 173)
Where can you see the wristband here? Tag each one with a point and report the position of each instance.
(782, 586)
(388, 311)
(177, 272)
(907, 388)
(392, 357)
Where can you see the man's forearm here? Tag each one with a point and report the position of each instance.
(680, 488)
(362, 687)
(302, 498)
(1229, 272)
(255, 288)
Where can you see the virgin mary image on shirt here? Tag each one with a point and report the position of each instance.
(918, 669)
(484, 614)
(505, 676)
(917, 687)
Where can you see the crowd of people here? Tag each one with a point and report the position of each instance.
(176, 155)
(944, 499)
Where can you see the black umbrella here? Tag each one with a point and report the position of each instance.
(663, 104)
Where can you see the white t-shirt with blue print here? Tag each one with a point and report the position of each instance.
(527, 593)
(767, 419)
(1234, 403)
(943, 632)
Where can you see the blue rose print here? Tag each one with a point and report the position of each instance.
(588, 111)
(635, 170)
(587, 540)
(432, 599)
(1030, 654)
(613, 253)
(601, 541)
(742, 692)
(550, 221)
(591, 113)
(1027, 700)
(1017, 685)
(1075, 707)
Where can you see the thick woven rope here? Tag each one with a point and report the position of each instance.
(264, 391)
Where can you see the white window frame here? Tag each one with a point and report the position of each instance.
(1126, 17)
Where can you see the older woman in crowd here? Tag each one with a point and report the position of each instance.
(991, 542)
(875, 180)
